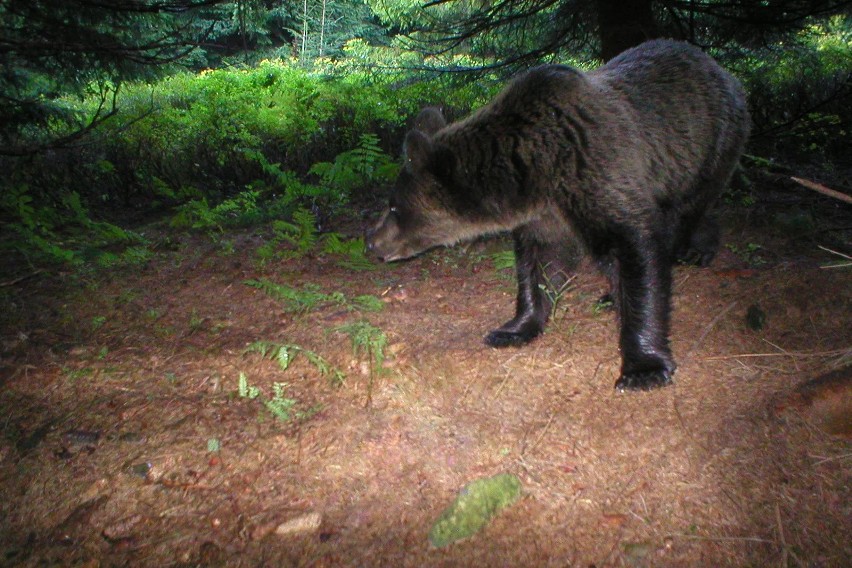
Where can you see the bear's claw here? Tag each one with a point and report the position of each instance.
(644, 380)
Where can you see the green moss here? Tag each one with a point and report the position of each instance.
(475, 506)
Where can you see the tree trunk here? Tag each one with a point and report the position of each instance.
(624, 24)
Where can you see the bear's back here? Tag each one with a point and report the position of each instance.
(673, 86)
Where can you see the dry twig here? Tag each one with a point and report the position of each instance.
(818, 187)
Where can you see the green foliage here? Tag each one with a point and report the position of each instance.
(356, 168)
(302, 237)
(353, 252)
(602, 305)
(301, 233)
(799, 92)
(750, 253)
(367, 303)
(367, 340)
(370, 342)
(225, 148)
(60, 230)
(503, 260)
(285, 353)
(57, 47)
(555, 290)
(739, 197)
(241, 210)
(279, 405)
(310, 297)
(297, 301)
(474, 507)
(300, 131)
(245, 390)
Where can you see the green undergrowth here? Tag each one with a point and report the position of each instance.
(310, 297)
(250, 146)
(218, 149)
(285, 353)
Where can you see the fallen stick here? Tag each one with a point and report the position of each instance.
(818, 187)
(19, 279)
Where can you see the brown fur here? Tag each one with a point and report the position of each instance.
(628, 157)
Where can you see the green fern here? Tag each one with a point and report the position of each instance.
(239, 210)
(364, 164)
(310, 297)
(279, 405)
(285, 353)
(503, 260)
(352, 251)
(367, 340)
(245, 390)
(301, 233)
(298, 301)
(367, 303)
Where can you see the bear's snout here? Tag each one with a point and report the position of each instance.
(370, 244)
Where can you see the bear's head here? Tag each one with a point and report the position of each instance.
(420, 213)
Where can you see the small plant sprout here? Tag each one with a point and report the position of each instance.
(369, 341)
(602, 305)
(750, 253)
(245, 390)
(98, 322)
(279, 405)
(554, 291)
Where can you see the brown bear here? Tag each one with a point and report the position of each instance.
(627, 159)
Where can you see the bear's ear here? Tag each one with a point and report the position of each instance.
(416, 149)
(429, 121)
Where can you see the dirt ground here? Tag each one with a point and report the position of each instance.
(126, 441)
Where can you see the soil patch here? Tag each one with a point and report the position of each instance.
(129, 439)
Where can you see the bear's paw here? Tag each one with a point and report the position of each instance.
(644, 380)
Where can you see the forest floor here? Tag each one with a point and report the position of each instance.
(127, 439)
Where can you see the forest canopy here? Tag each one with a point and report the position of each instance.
(215, 114)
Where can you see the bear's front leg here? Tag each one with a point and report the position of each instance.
(532, 307)
(644, 289)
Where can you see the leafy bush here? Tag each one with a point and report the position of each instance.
(226, 148)
(799, 94)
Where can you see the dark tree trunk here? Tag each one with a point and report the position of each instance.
(624, 24)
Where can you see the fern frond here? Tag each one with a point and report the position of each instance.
(368, 303)
(285, 353)
(366, 339)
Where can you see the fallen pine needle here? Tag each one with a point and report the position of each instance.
(785, 354)
(723, 538)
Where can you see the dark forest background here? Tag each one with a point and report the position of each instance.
(204, 115)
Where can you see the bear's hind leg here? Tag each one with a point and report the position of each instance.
(698, 246)
(532, 306)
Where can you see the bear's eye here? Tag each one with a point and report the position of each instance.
(394, 209)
